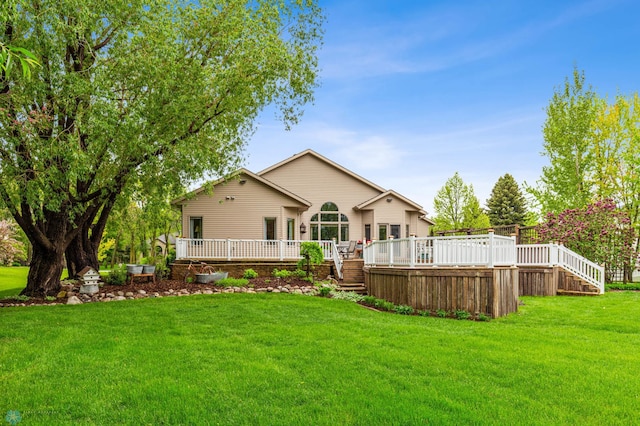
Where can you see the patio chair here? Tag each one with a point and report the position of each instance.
(350, 250)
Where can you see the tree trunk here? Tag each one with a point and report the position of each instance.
(44, 273)
(81, 253)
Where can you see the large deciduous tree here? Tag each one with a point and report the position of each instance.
(156, 92)
(565, 182)
(456, 206)
(506, 205)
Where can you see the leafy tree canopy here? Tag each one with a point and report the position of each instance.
(456, 206)
(565, 181)
(157, 92)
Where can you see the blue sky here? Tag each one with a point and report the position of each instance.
(413, 91)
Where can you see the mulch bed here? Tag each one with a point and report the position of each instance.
(161, 286)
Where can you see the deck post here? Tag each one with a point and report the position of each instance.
(228, 249)
(491, 248)
(413, 247)
(281, 250)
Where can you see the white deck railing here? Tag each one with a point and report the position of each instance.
(469, 250)
(558, 255)
(201, 249)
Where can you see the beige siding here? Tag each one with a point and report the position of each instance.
(241, 216)
(318, 182)
(423, 229)
(394, 212)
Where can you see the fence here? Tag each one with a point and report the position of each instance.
(471, 250)
(523, 234)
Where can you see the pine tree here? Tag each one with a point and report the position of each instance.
(507, 205)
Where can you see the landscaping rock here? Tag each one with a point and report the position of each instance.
(73, 300)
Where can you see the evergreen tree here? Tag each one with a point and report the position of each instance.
(507, 205)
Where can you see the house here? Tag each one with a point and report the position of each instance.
(305, 197)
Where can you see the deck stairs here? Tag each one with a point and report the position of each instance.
(573, 285)
(353, 276)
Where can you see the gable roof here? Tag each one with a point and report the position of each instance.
(325, 160)
(237, 174)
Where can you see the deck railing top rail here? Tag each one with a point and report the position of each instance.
(468, 250)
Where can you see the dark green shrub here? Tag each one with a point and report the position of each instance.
(441, 313)
(424, 313)
(117, 276)
(324, 291)
(462, 314)
(369, 300)
(249, 274)
(483, 317)
(404, 310)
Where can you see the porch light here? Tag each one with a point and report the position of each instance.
(303, 228)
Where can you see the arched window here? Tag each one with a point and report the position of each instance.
(329, 224)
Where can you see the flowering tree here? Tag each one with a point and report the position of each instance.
(10, 248)
(600, 231)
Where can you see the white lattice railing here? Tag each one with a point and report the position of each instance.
(469, 250)
(192, 248)
(558, 255)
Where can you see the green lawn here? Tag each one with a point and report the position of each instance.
(12, 280)
(286, 359)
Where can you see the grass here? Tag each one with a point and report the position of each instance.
(12, 280)
(285, 359)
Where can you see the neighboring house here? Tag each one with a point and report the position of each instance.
(305, 197)
(160, 244)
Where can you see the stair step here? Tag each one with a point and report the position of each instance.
(355, 287)
(575, 292)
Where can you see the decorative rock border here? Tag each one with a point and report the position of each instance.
(74, 297)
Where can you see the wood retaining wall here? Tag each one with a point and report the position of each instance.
(490, 291)
(538, 280)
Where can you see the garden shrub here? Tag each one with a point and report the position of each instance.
(232, 282)
(249, 274)
(117, 276)
(462, 314)
(404, 310)
(282, 273)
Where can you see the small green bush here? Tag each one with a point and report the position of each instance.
(299, 273)
(282, 273)
(117, 276)
(483, 317)
(424, 313)
(369, 300)
(404, 310)
(162, 270)
(462, 314)
(233, 282)
(441, 313)
(249, 274)
(324, 290)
